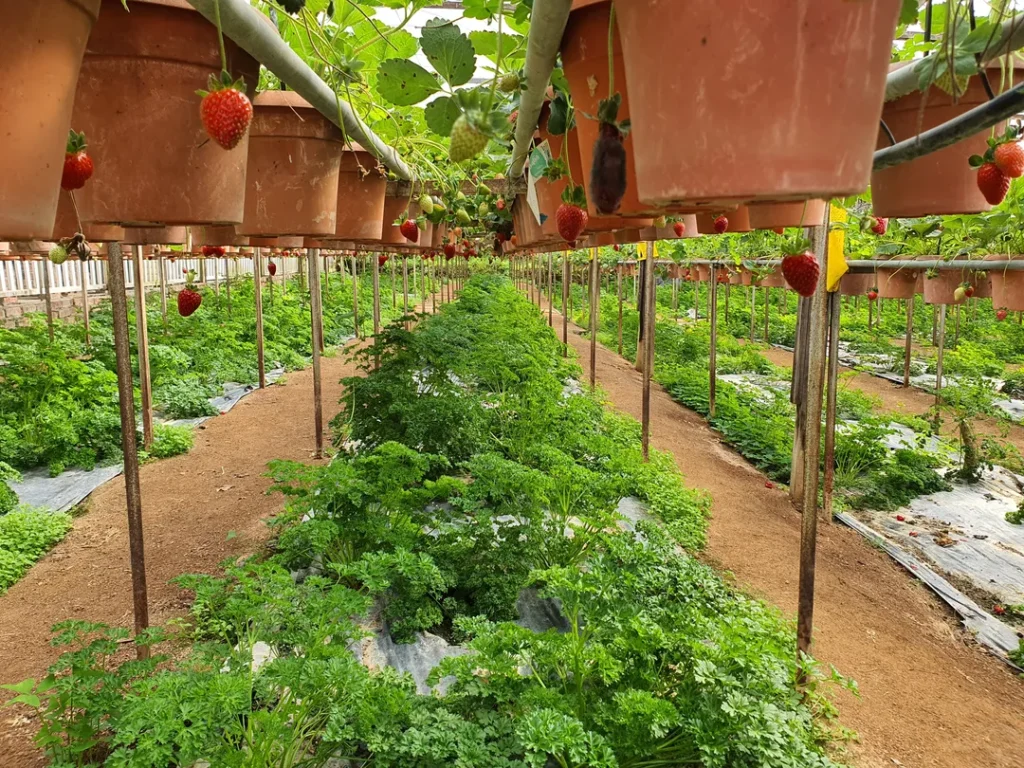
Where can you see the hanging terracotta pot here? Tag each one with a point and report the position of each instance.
(897, 283)
(290, 242)
(225, 236)
(982, 282)
(940, 182)
(773, 279)
(294, 166)
(805, 213)
(719, 112)
(67, 223)
(585, 63)
(1007, 284)
(361, 190)
(856, 284)
(137, 104)
(43, 42)
(739, 221)
(941, 289)
(394, 206)
(438, 235)
(154, 236)
(736, 276)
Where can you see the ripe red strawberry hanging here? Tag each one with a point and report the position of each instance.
(993, 183)
(879, 224)
(409, 230)
(801, 271)
(1001, 314)
(449, 250)
(382, 259)
(571, 216)
(872, 294)
(271, 268)
(608, 167)
(77, 163)
(679, 228)
(189, 298)
(225, 110)
(1009, 158)
(721, 225)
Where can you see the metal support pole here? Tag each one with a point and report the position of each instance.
(313, 262)
(713, 350)
(142, 344)
(767, 306)
(566, 277)
(834, 306)
(641, 303)
(648, 322)
(355, 298)
(551, 290)
(227, 283)
(753, 310)
(941, 344)
(126, 401)
(619, 292)
(163, 290)
(595, 300)
(257, 290)
(84, 274)
(394, 285)
(908, 341)
(405, 286)
(45, 269)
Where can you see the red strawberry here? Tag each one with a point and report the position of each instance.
(272, 268)
(1009, 158)
(449, 250)
(779, 230)
(616, 247)
(721, 225)
(914, 534)
(77, 163)
(900, 518)
(872, 294)
(968, 290)
(679, 228)
(382, 260)
(225, 111)
(409, 230)
(571, 220)
(500, 204)
(998, 610)
(1001, 314)
(188, 297)
(514, 239)
(993, 183)
(879, 225)
(801, 271)
(769, 484)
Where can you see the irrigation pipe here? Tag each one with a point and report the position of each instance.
(867, 265)
(249, 30)
(547, 23)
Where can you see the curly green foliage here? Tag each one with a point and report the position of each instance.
(25, 536)
(8, 498)
(170, 440)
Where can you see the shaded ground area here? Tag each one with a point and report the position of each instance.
(930, 697)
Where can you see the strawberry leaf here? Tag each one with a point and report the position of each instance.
(404, 83)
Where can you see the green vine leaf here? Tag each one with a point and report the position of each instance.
(404, 83)
(441, 114)
(449, 51)
(908, 12)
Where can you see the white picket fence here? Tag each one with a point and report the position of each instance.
(25, 278)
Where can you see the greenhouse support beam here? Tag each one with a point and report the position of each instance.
(713, 349)
(566, 276)
(257, 283)
(647, 324)
(126, 403)
(84, 275)
(595, 300)
(313, 262)
(142, 345)
(249, 29)
(969, 123)
(547, 24)
(834, 307)
(551, 289)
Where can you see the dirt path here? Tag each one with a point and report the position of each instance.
(930, 698)
(190, 505)
(912, 401)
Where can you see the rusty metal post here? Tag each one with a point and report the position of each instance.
(257, 292)
(551, 290)
(907, 342)
(713, 349)
(405, 285)
(355, 297)
(313, 262)
(163, 290)
(767, 306)
(84, 274)
(45, 268)
(595, 300)
(753, 310)
(648, 323)
(566, 277)
(832, 384)
(376, 294)
(941, 344)
(142, 344)
(126, 401)
(618, 273)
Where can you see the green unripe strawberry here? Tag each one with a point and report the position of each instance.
(460, 195)
(509, 83)
(58, 254)
(483, 209)
(462, 217)
(426, 204)
(439, 206)
(483, 189)
(466, 141)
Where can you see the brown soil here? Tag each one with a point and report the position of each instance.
(911, 401)
(190, 505)
(930, 697)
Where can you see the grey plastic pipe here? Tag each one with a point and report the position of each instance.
(547, 23)
(250, 30)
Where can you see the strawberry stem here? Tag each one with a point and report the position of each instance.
(611, 50)
(220, 36)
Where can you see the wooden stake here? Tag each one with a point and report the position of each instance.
(641, 306)
(551, 290)
(566, 277)
(257, 288)
(767, 306)
(619, 291)
(84, 273)
(405, 287)
(163, 290)
(713, 350)
(126, 401)
(314, 316)
(595, 300)
(376, 294)
(45, 268)
(830, 404)
(355, 298)
(753, 310)
(394, 285)
(941, 344)
(809, 440)
(907, 342)
(142, 343)
(227, 283)
(648, 322)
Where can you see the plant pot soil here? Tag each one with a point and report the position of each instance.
(137, 104)
(44, 41)
(764, 123)
(940, 182)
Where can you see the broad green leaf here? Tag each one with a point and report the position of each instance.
(404, 83)
(908, 12)
(486, 44)
(448, 51)
(441, 114)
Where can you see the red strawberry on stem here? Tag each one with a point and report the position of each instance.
(998, 610)
(721, 225)
(449, 250)
(409, 230)
(679, 228)
(968, 290)
(571, 218)
(77, 163)
(872, 294)
(779, 230)
(993, 183)
(1009, 158)
(189, 298)
(879, 225)
(225, 110)
(1001, 314)
(801, 271)
(382, 259)
(271, 268)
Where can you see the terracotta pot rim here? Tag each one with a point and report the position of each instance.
(289, 99)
